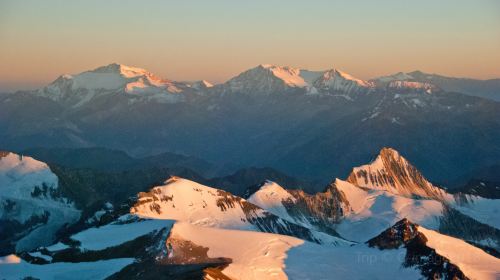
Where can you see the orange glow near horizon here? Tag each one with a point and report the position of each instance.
(216, 41)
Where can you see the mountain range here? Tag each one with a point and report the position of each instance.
(312, 124)
(385, 220)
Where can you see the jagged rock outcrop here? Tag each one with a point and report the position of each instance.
(321, 211)
(418, 254)
(393, 173)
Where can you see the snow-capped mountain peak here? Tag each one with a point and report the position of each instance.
(269, 78)
(200, 85)
(265, 78)
(80, 88)
(127, 71)
(400, 76)
(288, 75)
(270, 196)
(393, 173)
(336, 80)
(112, 76)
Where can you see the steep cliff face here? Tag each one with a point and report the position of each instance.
(393, 173)
(322, 210)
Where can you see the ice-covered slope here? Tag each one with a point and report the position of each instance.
(393, 173)
(360, 214)
(405, 250)
(270, 196)
(79, 89)
(253, 255)
(81, 270)
(125, 229)
(256, 255)
(268, 78)
(33, 208)
(372, 211)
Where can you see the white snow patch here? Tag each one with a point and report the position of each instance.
(40, 255)
(116, 234)
(63, 271)
(57, 247)
(374, 211)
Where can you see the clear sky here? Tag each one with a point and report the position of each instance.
(214, 40)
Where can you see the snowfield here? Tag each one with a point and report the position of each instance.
(63, 271)
(271, 256)
(115, 234)
(254, 255)
(374, 211)
(370, 213)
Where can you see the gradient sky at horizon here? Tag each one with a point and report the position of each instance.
(215, 40)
